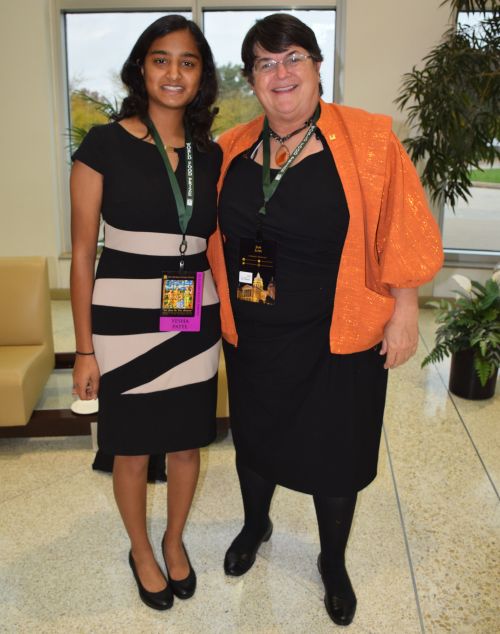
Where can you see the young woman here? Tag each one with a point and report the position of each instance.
(152, 176)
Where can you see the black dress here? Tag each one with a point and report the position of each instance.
(158, 390)
(300, 416)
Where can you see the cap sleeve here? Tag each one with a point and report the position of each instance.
(91, 150)
(408, 238)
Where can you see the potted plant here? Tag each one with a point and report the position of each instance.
(469, 331)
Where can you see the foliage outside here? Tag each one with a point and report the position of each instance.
(452, 103)
(87, 109)
(471, 322)
(236, 104)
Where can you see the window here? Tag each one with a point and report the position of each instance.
(97, 44)
(472, 233)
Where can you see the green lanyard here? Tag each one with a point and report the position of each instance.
(184, 210)
(269, 187)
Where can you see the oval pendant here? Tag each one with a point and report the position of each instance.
(282, 155)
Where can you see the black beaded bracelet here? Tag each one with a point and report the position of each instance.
(84, 354)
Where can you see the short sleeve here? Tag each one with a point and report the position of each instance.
(408, 238)
(91, 150)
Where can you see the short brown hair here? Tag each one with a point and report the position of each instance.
(276, 33)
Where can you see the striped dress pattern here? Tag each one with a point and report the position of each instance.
(158, 390)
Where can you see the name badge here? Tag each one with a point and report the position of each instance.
(256, 275)
(181, 300)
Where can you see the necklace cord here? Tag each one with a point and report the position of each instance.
(282, 154)
(282, 139)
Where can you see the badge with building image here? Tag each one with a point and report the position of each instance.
(256, 276)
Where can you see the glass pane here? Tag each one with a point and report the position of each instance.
(475, 225)
(473, 19)
(225, 31)
(97, 45)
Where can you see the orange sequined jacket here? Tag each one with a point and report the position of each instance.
(392, 238)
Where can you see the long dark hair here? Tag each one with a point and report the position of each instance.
(199, 113)
(276, 33)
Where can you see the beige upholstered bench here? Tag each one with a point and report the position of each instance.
(26, 342)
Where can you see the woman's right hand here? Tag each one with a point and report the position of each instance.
(86, 377)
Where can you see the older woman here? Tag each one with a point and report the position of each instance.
(326, 237)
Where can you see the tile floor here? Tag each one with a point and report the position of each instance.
(423, 554)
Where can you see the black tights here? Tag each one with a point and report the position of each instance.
(257, 494)
(334, 522)
(334, 515)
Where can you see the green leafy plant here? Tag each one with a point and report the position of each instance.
(471, 322)
(452, 104)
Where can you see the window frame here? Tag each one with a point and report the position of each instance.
(197, 7)
(469, 258)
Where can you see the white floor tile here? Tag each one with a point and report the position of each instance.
(64, 551)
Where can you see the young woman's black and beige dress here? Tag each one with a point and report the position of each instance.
(300, 416)
(158, 390)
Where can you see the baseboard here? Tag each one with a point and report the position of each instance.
(50, 422)
(62, 422)
(64, 360)
(59, 293)
(422, 301)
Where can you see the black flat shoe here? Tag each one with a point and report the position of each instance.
(236, 563)
(341, 609)
(161, 600)
(182, 588)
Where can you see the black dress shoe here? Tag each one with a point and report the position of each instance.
(236, 563)
(182, 588)
(161, 600)
(341, 607)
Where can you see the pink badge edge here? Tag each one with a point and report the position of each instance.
(186, 324)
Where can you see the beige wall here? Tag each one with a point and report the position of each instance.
(29, 215)
(383, 39)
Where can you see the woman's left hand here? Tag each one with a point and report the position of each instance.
(401, 331)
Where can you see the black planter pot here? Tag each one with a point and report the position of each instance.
(464, 381)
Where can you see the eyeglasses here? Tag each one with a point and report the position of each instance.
(294, 60)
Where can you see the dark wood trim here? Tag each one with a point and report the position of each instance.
(223, 425)
(65, 360)
(62, 422)
(424, 299)
(51, 422)
(57, 294)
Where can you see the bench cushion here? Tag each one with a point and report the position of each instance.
(24, 370)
